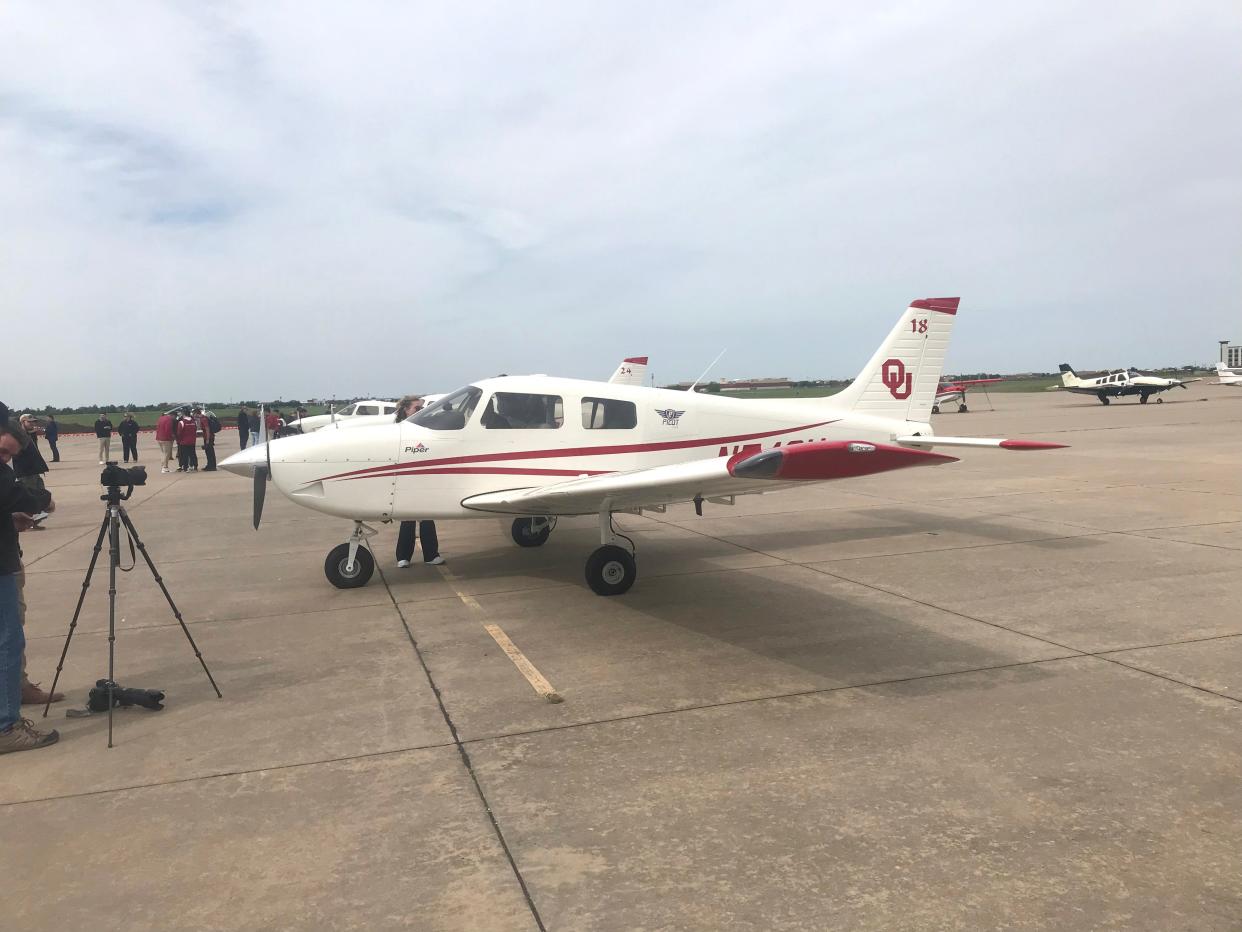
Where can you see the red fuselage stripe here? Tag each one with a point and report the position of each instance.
(490, 471)
(378, 471)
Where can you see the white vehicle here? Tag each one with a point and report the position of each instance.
(1227, 376)
(371, 408)
(537, 447)
(1112, 385)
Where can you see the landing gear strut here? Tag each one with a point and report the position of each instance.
(610, 570)
(962, 409)
(1143, 398)
(350, 565)
(1103, 398)
(532, 532)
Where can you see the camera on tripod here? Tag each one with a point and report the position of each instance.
(114, 476)
(123, 697)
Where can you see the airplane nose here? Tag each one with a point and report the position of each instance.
(243, 462)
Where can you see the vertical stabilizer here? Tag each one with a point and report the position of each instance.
(901, 378)
(632, 371)
(1069, 378)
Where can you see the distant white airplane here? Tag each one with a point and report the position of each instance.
(535, 448)
(1122, 382)
(371, 408)
(1228, 376)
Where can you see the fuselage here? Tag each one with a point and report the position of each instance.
(527, 431)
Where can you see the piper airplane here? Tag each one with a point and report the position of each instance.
(536, 448)
(948, 392)
(1227, 376)
(1112, 385)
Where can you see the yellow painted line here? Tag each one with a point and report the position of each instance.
(536, 679)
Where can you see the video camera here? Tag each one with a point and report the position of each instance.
(114, 476)
(123, 697)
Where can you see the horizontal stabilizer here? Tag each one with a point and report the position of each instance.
(934, 441)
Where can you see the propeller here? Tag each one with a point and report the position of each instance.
(262, 473)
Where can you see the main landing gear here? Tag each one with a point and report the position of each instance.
(532, 532)
(350, 565)
(611, 570)
(1103, 398)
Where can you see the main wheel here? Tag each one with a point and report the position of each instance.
(962, 409)
(526, 533)
(1159, 401)
(935, 409)
(1103, 398)
(610, 570)
(1143, 399)
(336, 567)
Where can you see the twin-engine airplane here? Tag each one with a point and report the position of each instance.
(1112, 385)
(537, 448)
(950, 392)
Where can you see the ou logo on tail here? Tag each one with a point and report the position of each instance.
(896, 379)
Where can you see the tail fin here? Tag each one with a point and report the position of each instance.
(901, 378)
(1068, 376)
(632, 371)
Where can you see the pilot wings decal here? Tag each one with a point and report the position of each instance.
(670, 416)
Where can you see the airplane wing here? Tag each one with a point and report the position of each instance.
(741, 474)
(922, 442)
(976, 381)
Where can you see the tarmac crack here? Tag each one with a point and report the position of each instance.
(465, 758)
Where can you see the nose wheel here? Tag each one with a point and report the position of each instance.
(350, 565)
(611, 570)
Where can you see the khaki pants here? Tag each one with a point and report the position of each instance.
(105, 445)
(166, 449)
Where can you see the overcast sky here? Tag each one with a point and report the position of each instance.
(227, 200)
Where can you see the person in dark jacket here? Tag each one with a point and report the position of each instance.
(52, 433)
(411, 531)
(103, 430)
(128, 429)
(17, 503)
(243, 426)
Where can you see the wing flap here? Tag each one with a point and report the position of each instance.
(740, 474)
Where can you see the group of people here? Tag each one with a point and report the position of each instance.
(127, 431)
(24, 497)
(181, 428)
(273, 421)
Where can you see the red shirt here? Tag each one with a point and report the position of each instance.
(187, 432)
(205, 426)
(273, 423)
(164, 427)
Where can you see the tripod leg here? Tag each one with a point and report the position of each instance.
(86, 583)
(133, 533)
(114, 560)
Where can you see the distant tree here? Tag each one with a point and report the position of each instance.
(713, 387)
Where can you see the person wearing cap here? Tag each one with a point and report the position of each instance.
(128, 429)
(165, 436)
(103, 430)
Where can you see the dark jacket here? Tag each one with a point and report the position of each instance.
(103, 427)
(52, 431)
(128, 429)
(29, 462)
(15, 498)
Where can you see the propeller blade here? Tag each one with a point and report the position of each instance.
(261, 474)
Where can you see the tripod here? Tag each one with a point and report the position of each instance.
(114, 517)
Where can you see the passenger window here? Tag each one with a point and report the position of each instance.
(390, 409)
(608, 414)
(449, 413)
(519, 411)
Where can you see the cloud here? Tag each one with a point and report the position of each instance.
(253, 200)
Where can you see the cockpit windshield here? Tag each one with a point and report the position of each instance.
(449, 413)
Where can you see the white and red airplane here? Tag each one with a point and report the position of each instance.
(537, 447)
(949, 392)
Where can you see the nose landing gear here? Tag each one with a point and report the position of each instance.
(350, 565)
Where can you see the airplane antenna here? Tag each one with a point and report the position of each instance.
(703, 375)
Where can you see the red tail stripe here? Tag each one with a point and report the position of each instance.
(573, 451)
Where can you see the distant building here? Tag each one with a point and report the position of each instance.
(1232, 355)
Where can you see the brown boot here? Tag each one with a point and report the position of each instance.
(33, 695)
(22, 736)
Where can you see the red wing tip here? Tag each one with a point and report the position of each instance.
(943, 305)
(1031, 445)
(637, 360)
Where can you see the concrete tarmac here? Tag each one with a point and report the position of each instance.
(1003, 693)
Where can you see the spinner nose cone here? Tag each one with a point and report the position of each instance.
(243, 462)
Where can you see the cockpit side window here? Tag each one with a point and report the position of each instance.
(608, 414)
(346, 411)
(449, 413)
(520, 411)
(367, 409)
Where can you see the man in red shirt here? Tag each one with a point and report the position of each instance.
(209, 439)
(164, 437)
(271, 421)
(187, 433)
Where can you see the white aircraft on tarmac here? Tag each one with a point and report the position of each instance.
(1227, 376)
(1111, 385)
(372, 408)
(537, 448)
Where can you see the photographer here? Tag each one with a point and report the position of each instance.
(17, 503)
